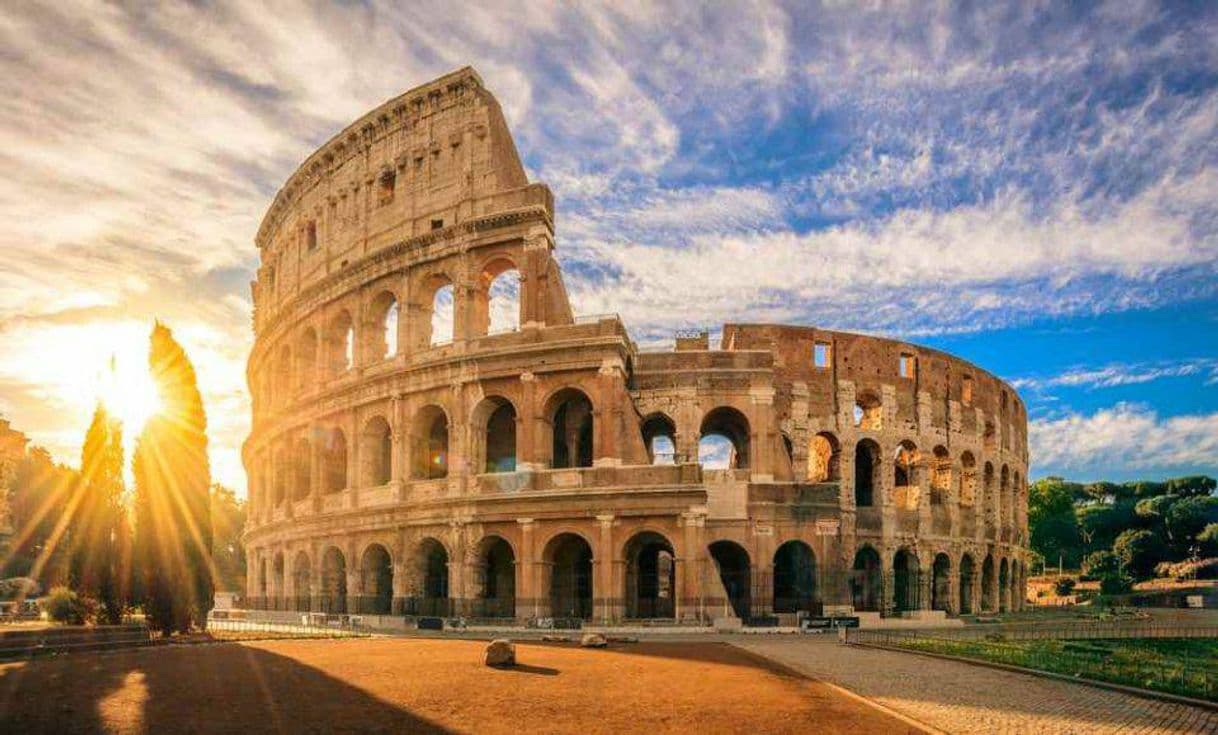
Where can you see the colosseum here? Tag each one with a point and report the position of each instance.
(437, 434)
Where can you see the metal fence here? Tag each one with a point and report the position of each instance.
(313, 625)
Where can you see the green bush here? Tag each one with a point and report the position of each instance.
(1115, 584)
(65, 606)
(1064, 586)
(1100, 564)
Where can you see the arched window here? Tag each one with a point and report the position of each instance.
(503, 305)
(306, 359)
(905, 576)
(570, 414)
(496, 571)
(340, 344)
(432, 561)
(376, 581)
(302, 461)
(334, 461)
(941, 476)
(496, 416)
(334, 582)
(429, 443)
(442, 314)
(283, 374)
(570, 584)
(724, 440)
(941, 583)
(968, 480)
(904, 464)
(795, 579)
(866, 472)
(283, 475)
(659, 437)
(377, 452)
(650, 576)
(382, 327)
(735, 572)
(824, 458)
(302, 579)
(868, 412)
(866, 582)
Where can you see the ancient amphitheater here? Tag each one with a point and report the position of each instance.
(435, 432)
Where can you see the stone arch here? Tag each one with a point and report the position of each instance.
(867, 469)
(334, 460)
(732, 425)
(437, 311)
(333, 581)
(431, 560)
(283, 374)
(988, 436)
(735, 574)
(868, 411)
(660, 438)
(302, 580)
(1004, 495)
(302, 469)
(967, 575)
(824, 458)
(376, 452)
(906, 580)
(1004, 586)
(376, 580)
(940, 476)
(278, 579)
(497, 303)
(429, 436)
(340, 344)
(381, 329)
(905, 481)
(989, 589)
(283, 475)
(941, 583)
(494, 422)
(570, 586)
(795, 587)
(571, 416)
(867, 580)
(990, 500)
(651, 582)
(968, 479)
(495, 578)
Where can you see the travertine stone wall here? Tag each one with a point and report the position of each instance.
(515, 473)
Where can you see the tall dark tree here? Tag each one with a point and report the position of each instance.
(173, 504)
(96, 508)
(38, 491)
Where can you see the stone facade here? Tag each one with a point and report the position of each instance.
(551, 469)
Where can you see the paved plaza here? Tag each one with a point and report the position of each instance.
(956, 697)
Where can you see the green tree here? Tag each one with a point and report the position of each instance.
(96, 518)
(1187, 518)
(228, 553)
(38, 492)
(1192, 486)
(1052, 524)
(1140, 551)
(1099, 525)
(1208, 540)
(1102, 563)
(172, 498)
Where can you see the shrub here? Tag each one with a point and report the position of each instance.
(1099, 564)
(1115, 584)
(1064, 586)
(65, 606)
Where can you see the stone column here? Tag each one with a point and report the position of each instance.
(764, 444)
(604, 596)
(953, 589)
(527, 424)
(690, 602)
(526, 573)
(607, 415)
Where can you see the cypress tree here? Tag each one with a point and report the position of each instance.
(172, 502)
(96, 565)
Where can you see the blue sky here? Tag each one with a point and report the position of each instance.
(1028, 185)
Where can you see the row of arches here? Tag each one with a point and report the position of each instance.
(906, 582)
(342, 340)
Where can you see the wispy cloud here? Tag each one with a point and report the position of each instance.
(1110, 376)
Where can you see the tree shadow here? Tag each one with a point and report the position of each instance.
(207, 688)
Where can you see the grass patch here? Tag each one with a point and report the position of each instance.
(1184, 666)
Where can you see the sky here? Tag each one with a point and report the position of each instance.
(1030, 186)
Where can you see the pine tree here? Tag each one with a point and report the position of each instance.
(172, 501)
(96, 508)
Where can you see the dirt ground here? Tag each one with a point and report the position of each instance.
(415, 685)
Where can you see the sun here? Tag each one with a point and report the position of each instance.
(128, 391)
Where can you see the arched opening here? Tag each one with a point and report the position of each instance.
(989, 436)
(735, 574)
(306, 359)
(988, 588)
(1004, 586)
(283, 374)
(824, 458)
(795, 579)
(433, 558)
(906, 489)
(651, 582)
(1004, 495)
(283, 475)
(281, 593)
(660, 438)
(571, 419)
(941, 583)
(906, 580)
(302, 464)
(497, 447)
(991, 501)
(866, 472)
(340, 344)
(333, 582)
(966, 585)
(940, 476)
(377, 452)
(382, 328)
(720, 424)
(429, 443)
(968, 480)
(868, 412)
(503, 298)
(334, 461)
(441, 313)
(570, 560)
(866, 582)
(496, 574)
(302, 579)
(376, 581)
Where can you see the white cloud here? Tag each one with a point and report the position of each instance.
(1110, 376)
(1125, 436)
